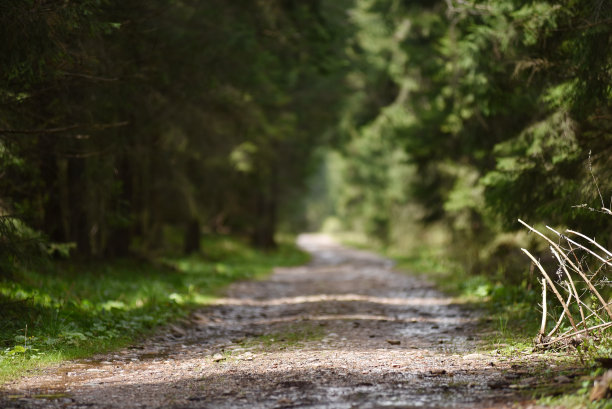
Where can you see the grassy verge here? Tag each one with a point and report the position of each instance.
(71, 310)
(510, 323)
(511, 320)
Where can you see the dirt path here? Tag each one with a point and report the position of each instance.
(346, 331)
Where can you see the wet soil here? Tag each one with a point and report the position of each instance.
(345, 331)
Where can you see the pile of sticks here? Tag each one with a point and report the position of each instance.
(577, 284)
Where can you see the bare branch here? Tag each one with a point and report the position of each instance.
(595, 181)
(600, 326)
(39, 131)
(96, 127)
(571, 286)
(89, 77)
(543, 323)
(560, 320)
(590, 240)
(553, 288)
(576, 268)
(603, 260)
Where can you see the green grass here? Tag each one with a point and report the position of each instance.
(292, 336)
(511, 323)
(72, 310)
(579, 398)
(512, 318)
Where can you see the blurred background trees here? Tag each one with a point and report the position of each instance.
(118, 119)
(466, 115)
(413, 122)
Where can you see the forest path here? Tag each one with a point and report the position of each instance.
(343, 331)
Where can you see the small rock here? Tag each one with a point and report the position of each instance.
(218, 357)
(562, 379)
(199, 318)
(511, 376)
(394, 341)
(284, 401)
(497, 384)
(177, 331)
(529, 381)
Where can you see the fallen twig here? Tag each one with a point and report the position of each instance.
(593, 328)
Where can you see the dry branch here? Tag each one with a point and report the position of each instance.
(553, 288)
(566, 268)
(544, 306)
(591, 252)
(573, 334)
(574, 267)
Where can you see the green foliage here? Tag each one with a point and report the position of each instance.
(120, 119)
(79, 309)
(500, 109)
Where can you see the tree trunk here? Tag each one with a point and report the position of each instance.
(77, 195)
(121, 235)
(265, 219)
(192, 237)
(52, 216)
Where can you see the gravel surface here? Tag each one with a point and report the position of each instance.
(345, 331)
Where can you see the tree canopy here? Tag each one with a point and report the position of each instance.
(472, 114)
(119, 119)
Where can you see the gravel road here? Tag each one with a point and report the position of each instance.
(345, 331)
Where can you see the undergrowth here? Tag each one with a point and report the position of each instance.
(71, 310)
(511, 319)
(513, 311)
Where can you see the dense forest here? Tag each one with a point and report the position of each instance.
(466, 115)
(122, 123)
(121, 118)
(153, 151)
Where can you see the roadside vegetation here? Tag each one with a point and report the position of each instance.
(510, 322)
(64, 310)
(465, 117)
(428, 127)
